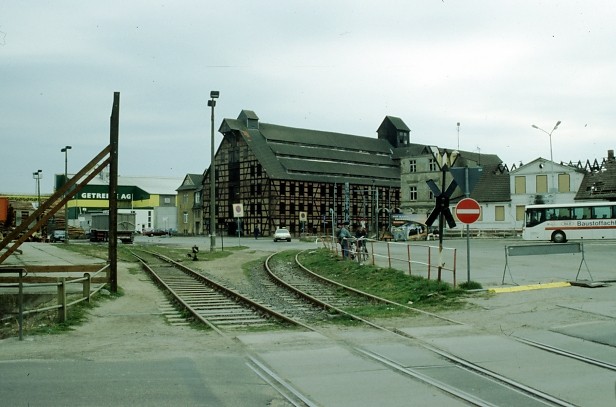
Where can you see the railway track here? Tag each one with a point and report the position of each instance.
(488, 388)
(308, 298)
(219, 307)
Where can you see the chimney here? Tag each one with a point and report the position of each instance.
(610, 155)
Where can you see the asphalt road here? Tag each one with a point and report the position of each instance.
(489, 264)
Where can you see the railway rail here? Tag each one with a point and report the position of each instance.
(303, 291)
(491, 388)
(219, 307)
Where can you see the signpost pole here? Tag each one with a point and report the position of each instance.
(441, 224)
(468, 238)
(468, 211)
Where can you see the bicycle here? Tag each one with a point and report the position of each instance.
(361, 249)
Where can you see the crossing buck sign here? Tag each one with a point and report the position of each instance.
(442, 204)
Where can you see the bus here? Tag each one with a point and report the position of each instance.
(560, 222)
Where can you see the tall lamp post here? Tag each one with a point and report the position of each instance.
(551, 156)
(65, 151)
(37, 175)
(212, 103)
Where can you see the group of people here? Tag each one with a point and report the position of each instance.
(345, 237)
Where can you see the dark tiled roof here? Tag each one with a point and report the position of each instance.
(599, 185)
(396, 122)
(191, 182)
(411, 150)
(318, 156)
(493, 185)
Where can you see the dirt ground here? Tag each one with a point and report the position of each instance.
(133, 325)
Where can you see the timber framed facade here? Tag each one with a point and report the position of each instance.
(305, 180)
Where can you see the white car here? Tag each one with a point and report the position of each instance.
(282, 234)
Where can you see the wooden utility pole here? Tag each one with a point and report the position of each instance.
(113, 193)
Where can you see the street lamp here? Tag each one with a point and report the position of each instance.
(65, 151)
(37, 176)
(212, 103)
(551, 156)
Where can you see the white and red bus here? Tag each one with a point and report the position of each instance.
(560, 222)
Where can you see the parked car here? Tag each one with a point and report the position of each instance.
(156, 232)
(282, 234)
(58, 236)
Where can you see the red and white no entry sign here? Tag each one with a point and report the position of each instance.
(468, 210)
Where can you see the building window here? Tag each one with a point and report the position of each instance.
(185, 197)
(412, 193)
(197, 197)
(542, 184)
(185, 217)
(520, 185)
(499, 213)
(519, 213)
(432, 165)
(413, 166)
(564, 183)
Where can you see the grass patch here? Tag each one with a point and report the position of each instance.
(391, 284)
(470, 285)
(46, 322)
(177, 253)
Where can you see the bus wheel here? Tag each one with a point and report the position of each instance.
(559, 237)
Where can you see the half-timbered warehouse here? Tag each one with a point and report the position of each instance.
(305, 180)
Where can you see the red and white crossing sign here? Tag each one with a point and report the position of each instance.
(468, 210)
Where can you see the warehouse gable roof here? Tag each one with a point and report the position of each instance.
(313, 155)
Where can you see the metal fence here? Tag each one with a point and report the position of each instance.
(414, 258)
(17, 277)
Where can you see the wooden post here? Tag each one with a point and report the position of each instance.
(408, 256)
(62, 311)
(113, 193)
(86, 286)
(429, 261)
(20, 298)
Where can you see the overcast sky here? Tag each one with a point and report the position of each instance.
(496, 67)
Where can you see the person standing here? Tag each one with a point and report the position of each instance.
(257, 232)
(344, 236)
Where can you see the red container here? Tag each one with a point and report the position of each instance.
(4, 208)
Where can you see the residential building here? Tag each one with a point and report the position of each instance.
(542, 182)
(190, 205)
(420, 163)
